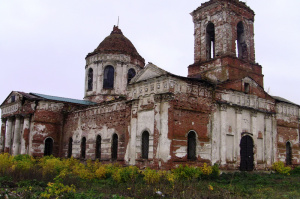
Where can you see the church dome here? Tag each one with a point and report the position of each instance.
(117, 43)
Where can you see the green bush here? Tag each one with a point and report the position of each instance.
(280, 168)
(186, 172)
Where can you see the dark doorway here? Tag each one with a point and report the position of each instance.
(191, 148)
(114, 147)
(288, 159)
(70, 147)
(98, 147)
(145, 145)
(246, 153)
(48, 147)
(83, 147)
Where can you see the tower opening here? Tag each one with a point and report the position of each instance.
(241, 41)
(210, 41)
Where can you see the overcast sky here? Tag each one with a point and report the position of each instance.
(43, 43)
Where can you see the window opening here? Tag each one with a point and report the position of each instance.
(210, 41)
(48, 147)
(288, 159)
(108, 80)
(145, 145)
(114, 148)
(70, 147)
(90, 79)
(247, 88)
(241, 41)
(83, 147)
(130, 75)
(98, 147)
(191, 148)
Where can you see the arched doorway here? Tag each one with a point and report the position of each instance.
(246, 153)
(48, 147)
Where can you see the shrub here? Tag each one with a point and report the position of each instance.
(6, 162)
(151, 176)
(280, 168)
(126, 174)
(186, 172)
(24, 162)
(58, 190)
(215, 171)
(206, 170)
(100, 173)
(51, 165)
(296, 171)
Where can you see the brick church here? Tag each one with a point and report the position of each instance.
(138, 114)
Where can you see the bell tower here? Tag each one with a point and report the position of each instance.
(224, 42)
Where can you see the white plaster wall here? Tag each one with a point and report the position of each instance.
(226, 145)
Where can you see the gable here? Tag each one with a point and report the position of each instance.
(150, 71)
(241, 85)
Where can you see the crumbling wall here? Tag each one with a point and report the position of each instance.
(287, 117)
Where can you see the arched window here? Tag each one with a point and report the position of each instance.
(108, 79)
(83, 147)
(90, 79)
(130, 75)
(98, 147)
(145, 145)
(288, 158)
(48, 147)
(210, 41)
(191, 148)
(70, 147)
(241, 41)
(114, 147)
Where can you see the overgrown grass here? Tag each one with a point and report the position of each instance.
(25, 177)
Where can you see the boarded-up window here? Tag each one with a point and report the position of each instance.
(114, 147)
(90, 79)
(48, 147)
(191, 148)
(98, 147)
(83, 147)
(288, 158)
(145, 145)
(108, 79)
(229, 148)
(70, 147)
(260, 149)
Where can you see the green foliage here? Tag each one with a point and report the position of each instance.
(6, 162)
(187, 172)
(280, 168)
(295, 171)
(25, 177)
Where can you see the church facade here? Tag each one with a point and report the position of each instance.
(145, 116)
